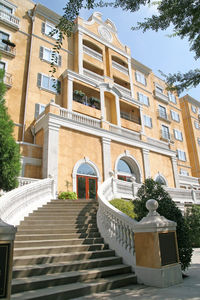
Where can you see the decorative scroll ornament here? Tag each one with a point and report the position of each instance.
(105, 33)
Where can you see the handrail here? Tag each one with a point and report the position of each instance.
(20, 202)
(116, 228)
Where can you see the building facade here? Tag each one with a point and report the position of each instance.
(106, 114)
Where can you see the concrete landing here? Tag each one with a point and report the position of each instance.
(189, 289)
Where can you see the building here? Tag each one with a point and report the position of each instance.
(108, 114)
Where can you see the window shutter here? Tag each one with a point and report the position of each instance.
(138, 96)
(41, 52)
(43, 27)
(151, 122)
(37, 110)
(145, 81)
(59, 60)
(39, 79)
(136, 77)
(148, 100)
(58, 87)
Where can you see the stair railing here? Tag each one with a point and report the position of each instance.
(20, 202)
(115, 227)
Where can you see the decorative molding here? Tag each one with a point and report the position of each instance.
(105, 33)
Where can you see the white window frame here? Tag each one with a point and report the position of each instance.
(193, 108)
(198, 141)
(175, 116)
(184, 172)
(5, 63)
(143, 98)
(172, 97)
(196, 125)
(159, 88)
(57, 60)
(181, 155)
(39, 108)
(44, 30)
(165, 132)
(140, 77)
(10, 5)
(178, 135)
(40, 79)
(145, 118)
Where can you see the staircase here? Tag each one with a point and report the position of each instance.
(59, 254)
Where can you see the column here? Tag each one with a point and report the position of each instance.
(131, 77)
(147, 171)
(118, 111)
(50, 151)
(106, 157)
(80, 52)
(142, 120)
(69, 93)
(102, 104)
(175, 171)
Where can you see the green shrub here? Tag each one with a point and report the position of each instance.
(193, 221)
(167, 208)
(67, 195)
(126, 207)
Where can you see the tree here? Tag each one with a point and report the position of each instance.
(9, 150)
(193, 221)
(167, 208)
(184, 16)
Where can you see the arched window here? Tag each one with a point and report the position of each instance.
(161, 180)
(86, 182)
(124, 171)
(86, 169)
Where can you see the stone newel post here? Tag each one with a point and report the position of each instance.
(7, 236)
(157, 259)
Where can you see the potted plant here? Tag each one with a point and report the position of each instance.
(95, 102)
(78, 95)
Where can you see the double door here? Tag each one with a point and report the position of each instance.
(86, 187)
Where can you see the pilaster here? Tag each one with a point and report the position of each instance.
(147, 171)
(175, 171)
(69, 93)
(131, 77)
(50, 151)
(102, 99)
(106, 157)
(80, 52)
(118, 111)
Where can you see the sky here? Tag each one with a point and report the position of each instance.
(154, 49)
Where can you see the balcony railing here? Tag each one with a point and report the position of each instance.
(123, 90)
(7, 79)
(130, 117)
(93, 75)
(9, 50)
(80, 118)
(120, 68)
(93, 53)
(9, 19)
(88, 101)
(160, 96)
(163, 115)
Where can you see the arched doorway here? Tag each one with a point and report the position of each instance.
(124, 171)
(86, 182)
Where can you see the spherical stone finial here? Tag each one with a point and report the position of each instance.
(152, 206)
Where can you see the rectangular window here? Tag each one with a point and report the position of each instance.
(6, 9)
(181, 155)
(175, 116)
(140, 77)
(3, 36)
(184, 172)
(194, 109)
(198, 141)
(162, 112)
(2, 65)
(196, 125)
(165, 132)
(148, 121)
(143, 99)
(48, 28)
(47, 55)
(39, 108)
(172, 97)
(48, 83)
(159, 88)
(178, 135)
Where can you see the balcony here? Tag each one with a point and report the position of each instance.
(93, 75)
(7, 49)
(125, 92)
(163, 116)
(9, 19)
(8, 80)
(160, 96)
(120, 68)
(92, 53)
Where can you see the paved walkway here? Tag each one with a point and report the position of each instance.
(189, 289)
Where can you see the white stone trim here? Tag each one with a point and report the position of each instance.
(160, 174)
(147, 171)
(80, 52)
(106, 157)
(75, 169)
(130, 159)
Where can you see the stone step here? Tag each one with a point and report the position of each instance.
(28, 230)
(66, 222)
(63, 212)
(60, 257)
(57, 249)
(31, 237)
(61, 218)
(70, 291)
(60, 226)
(46, 281)
(57, 242)
(51, 268)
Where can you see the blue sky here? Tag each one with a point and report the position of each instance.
(154, 49)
